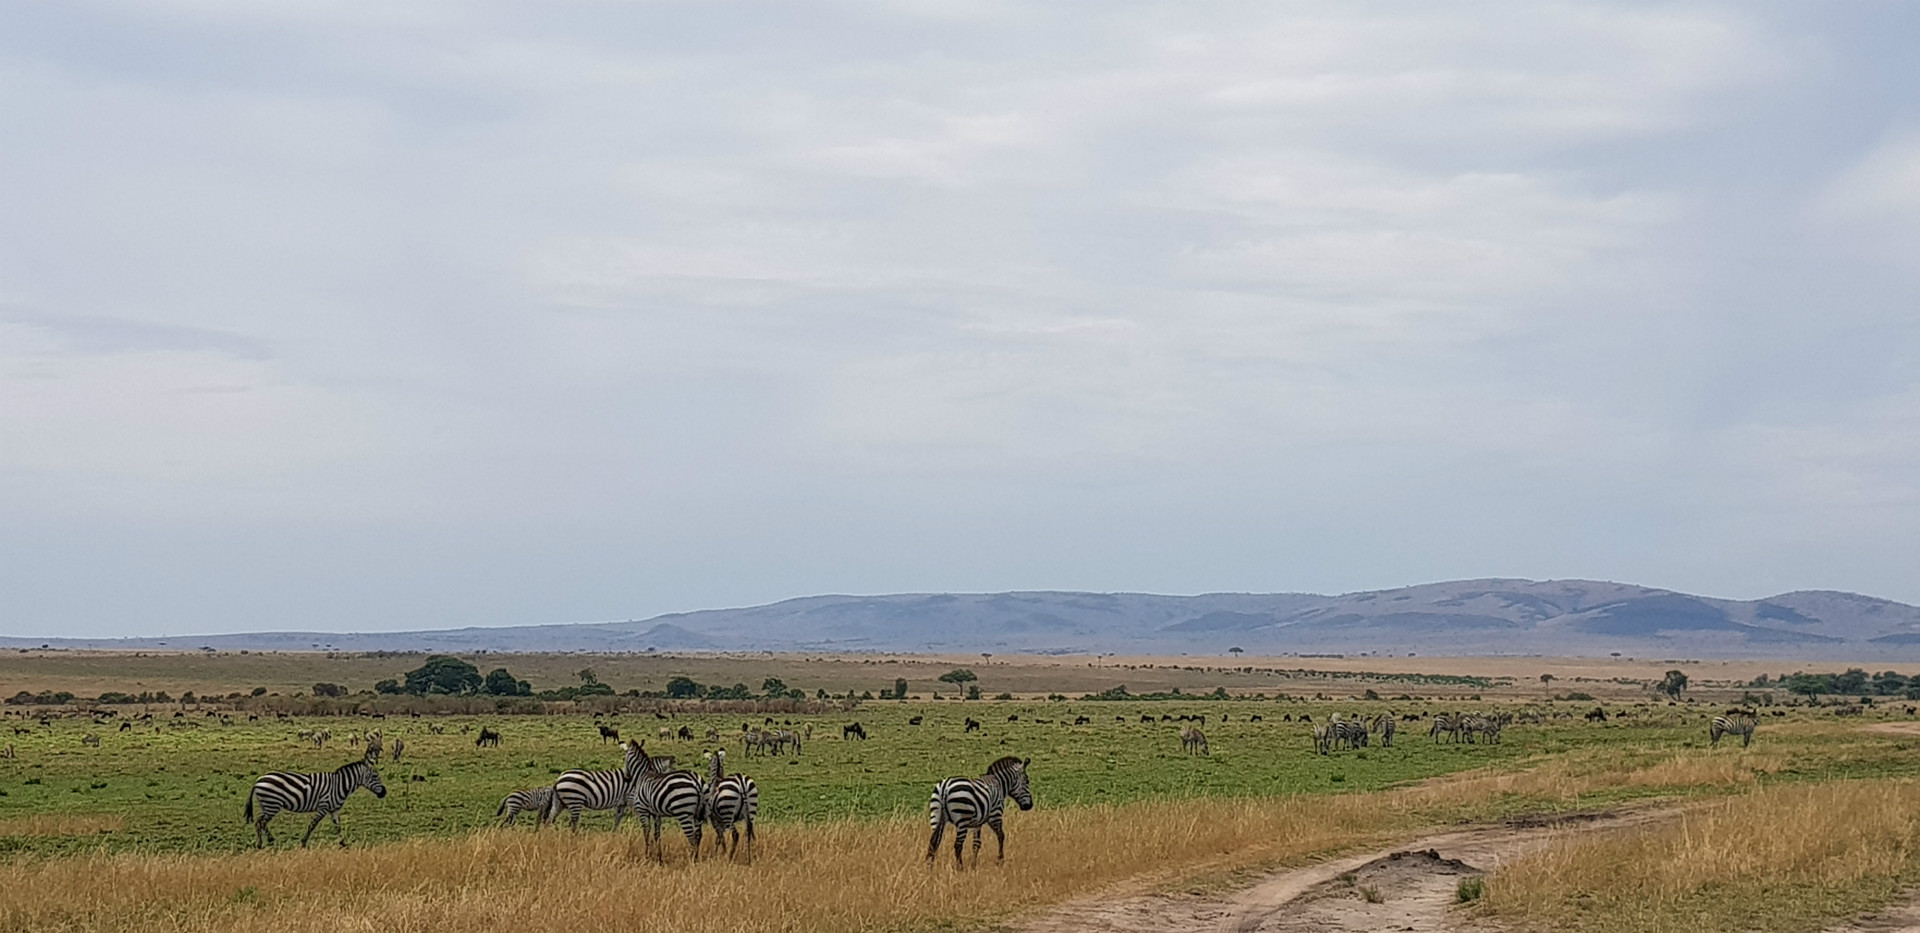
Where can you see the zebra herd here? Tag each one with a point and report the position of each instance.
(1469, 727)
(1338, 732)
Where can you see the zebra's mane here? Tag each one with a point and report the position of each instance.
(1009, 763)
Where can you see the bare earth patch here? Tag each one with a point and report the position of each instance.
(1408, 888)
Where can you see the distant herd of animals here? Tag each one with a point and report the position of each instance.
(654, 790)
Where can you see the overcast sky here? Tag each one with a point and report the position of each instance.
(357, 316)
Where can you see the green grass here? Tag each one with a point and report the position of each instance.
(183, 788)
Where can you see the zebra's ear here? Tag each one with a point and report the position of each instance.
(1024, 762)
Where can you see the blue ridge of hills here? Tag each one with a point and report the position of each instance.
(1463, 617)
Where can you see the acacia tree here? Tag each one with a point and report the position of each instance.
(444, 674)
(958, 676)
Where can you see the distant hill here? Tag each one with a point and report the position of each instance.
(1553, 617)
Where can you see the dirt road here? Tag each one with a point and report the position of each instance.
(1408, 888)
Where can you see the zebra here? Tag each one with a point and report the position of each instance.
(733, 801)
(970, 803)
(373, 745)
(756, 741)
(1384, 724)
(90, 739)
(319, 794)
(659, 793)
(399, 745)
(1741, 726)
(1322, 739)
(534, 800)
(1193, 741)
(1447, 724)
(1337, 733)
(579, 790)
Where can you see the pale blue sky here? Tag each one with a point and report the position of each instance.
(396, 315)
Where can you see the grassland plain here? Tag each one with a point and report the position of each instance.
(157, 808)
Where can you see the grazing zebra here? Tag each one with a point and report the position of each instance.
(399, 745)
(1193, 741)
(1741, 726)
(373, 745)
(970, 803)
(319, 794)
(1384, 724)
(657, 794)
(534, 800)
(756, 741)
(1446, 724)
(733, 803)
(579, 790)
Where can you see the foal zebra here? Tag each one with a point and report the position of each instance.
(733, 801)
(1193, 741)
(970, 803)
(534, 800)
(319, 794)
(579, 790)
(1384, 724)
(1731, 725)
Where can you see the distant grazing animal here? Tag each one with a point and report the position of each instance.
(734, 803)
(713, 735)
(373, 745)
(1081, 720)
(90, 739)
(915, 720)
(1256, 718)
(970, 803)
(1596, 715)
(487, 737)
(399, 745)
(1384, 724)
(534, 800)
(8, 752)
(319, 794)
(1193, 741)
(666, 733)
(854, 731)
(1741, 726)
(126, 726)
(1146, 717)
(685, 734)
(973, 725)
(609, 732)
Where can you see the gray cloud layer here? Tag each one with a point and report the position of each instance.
(395, 315)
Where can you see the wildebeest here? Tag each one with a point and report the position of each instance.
(853, 731)
(685, 734)
(1081, 720)
(973, 725)
(487, 737)
(608, 733)
(914, 721)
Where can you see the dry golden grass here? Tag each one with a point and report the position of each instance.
(54, 824)
(1781, 858)
(840, 876)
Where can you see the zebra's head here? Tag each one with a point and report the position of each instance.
(361, 774)
(1012, 774)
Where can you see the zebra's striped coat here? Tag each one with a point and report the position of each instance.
(579, 790)
(658, 794)
(733, 803)
(1731, 725)
(970, 803)
(319, 794)
(534, 800)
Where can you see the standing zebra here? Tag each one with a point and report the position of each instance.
(733, 802)
(319, 794)
(579, 790)
(534, 800)
(970, 803)
(1384, 724)
(1193, 741)
(656, 794)
(1447, 724)
(1741, 726)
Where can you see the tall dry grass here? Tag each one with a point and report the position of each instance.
(841, 876)
(1779, 858)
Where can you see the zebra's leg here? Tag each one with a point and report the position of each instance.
(999, 836)
(749, 840)
(317, 817)
(933, 845)
(338, 829)
(261, 836)
(694, 833)
(979, 836)
(959, 845)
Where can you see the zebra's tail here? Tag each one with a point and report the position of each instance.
(553, 807)
(937, 807)
(248, 815)
(503, 807)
